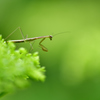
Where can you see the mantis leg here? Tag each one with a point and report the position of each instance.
(43, 47)
(31, 48)
(15, 31)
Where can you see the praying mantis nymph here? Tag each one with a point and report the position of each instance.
(32, 39)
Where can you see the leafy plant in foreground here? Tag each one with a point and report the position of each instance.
(17, 66)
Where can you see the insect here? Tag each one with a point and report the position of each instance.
(32, 39)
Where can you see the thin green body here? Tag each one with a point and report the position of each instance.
(30, 39)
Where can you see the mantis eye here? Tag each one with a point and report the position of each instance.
(50, 37)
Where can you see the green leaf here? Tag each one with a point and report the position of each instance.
(17, 66)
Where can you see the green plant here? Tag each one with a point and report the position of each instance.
(17, 67)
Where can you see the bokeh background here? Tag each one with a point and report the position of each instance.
(73, 58)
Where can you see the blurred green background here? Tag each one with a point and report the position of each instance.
(73, 59)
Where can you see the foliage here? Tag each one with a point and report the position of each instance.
(17, 66)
